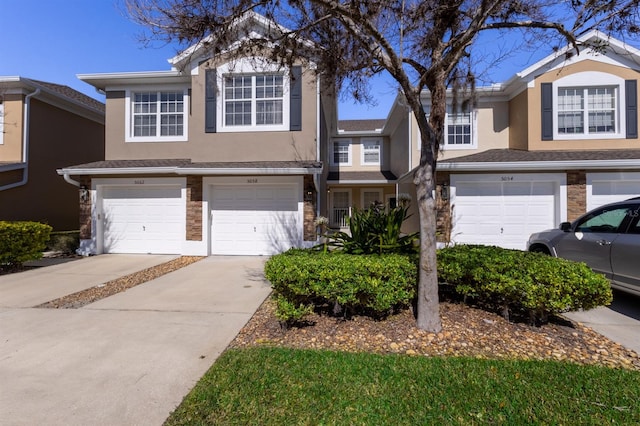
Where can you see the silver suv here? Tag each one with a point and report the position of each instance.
(607, 239)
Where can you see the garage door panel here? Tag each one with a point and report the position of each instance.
(502, 213)
(254, 220)
(143, 220)
(605, 188)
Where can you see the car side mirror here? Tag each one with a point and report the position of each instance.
(565, 226)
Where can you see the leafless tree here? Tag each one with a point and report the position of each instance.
(422, 44)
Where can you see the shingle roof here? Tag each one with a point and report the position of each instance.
(368, 125)
(374, 176)
(514, 155)
(256, 165)
(68, 92)
(125, 164)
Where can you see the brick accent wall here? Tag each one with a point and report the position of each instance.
(85, 209)
(310, 201)
(576, 194)
(194, 208)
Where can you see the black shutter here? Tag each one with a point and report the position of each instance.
(547, 111)
(210, 101)
(295, 100)
(631, 108)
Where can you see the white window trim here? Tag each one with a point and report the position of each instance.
(445, 146)
(128, 114)
(1, 123)
(364, 141)
(349, 144)
(585, 80)
(380, 192)
(252, 66)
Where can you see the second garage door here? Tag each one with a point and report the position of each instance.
(502, 210)
(604, 188)
(254, 220)
(143, 219)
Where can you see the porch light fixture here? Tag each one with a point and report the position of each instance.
(84, 194)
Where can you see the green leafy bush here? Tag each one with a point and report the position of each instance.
(64, 241)
(375, 230)
(517, 281)
(305, 280)
(22, 241)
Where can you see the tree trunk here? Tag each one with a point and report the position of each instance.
(428, 307)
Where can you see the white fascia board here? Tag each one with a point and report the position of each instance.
(362, 182)
(101, 81)
(12, 166)
(540, 165)
(248, 171)
(118, 171)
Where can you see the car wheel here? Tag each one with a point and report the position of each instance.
(539, 249)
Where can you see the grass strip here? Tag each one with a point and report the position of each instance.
(276, 386)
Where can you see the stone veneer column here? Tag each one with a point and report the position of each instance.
(443, 210)
(194, 208)
(576, 194)
(310, 201)
(85, 209)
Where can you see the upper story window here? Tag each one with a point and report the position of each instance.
(587, 110)
(341, 153)
(371, 151)
(253, 94)
(157, 116)
(585, 105)
(460, 127)
(253, 100)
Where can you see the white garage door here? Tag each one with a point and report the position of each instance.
(604, 188)
(143, 219)
(502, 213)
(254, 220)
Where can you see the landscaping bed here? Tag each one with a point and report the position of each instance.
(467, 331)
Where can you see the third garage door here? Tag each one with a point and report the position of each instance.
(254, 220)
(503, 210)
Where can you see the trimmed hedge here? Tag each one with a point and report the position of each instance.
(518, 281)
(303, 280)
(22, 241)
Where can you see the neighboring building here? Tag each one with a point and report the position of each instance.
(556, 140)
(44, 126)
(212, 157)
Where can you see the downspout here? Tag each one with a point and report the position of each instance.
(316, 179)
(68, 179)
(25, 143)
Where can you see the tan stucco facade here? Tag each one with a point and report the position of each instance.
(12, 123)
(535, 141)
(220, 146)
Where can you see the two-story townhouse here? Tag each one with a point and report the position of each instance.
(44, 126)
(359, 164)
(219, 155)
(556, 140)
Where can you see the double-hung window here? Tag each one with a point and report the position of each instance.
(459, 127)
(587, 110)
(371, 150)
(157, 116)
(253, 100)
(341, 153)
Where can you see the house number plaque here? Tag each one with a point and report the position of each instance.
(139, 182)
(252, 180)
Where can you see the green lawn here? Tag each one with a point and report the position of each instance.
(274, 386)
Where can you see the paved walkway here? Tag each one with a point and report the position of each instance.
(125, 360)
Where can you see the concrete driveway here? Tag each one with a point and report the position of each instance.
(125, 360)
(619, 322)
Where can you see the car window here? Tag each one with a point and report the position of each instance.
(634, 226)
(605, 220)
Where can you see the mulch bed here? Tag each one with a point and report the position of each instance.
(467, 331)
